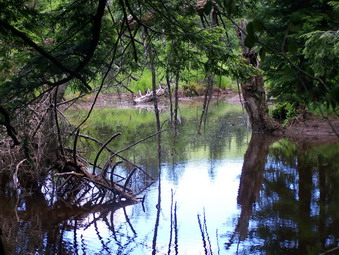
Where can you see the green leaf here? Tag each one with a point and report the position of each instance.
(262, 53)
(249, 41)
(258, 25)
(334, 94)
(250, 29)
(208, 7)
(230, 6)
(250, 38)
(292, 46)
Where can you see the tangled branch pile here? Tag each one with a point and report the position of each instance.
(44, 154)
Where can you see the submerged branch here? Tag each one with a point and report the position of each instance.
(115, 153)
(102, 148)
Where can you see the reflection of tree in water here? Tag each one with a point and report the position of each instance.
(251, 182)
(39, 228)
(224, 129)
(296, 199)
(45, 224)
(223, 125)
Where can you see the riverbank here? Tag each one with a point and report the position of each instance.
(126, 100)
(316, 128)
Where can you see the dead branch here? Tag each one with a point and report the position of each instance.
(102, 148)
(115, 153)
(80, 171)
(141, 140)
(128, 179)
(15, 175)
(69, 173)
(75, 147)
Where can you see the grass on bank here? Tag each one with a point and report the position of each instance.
(142, 82)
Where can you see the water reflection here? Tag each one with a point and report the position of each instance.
(222, 192)
(251, 180)
(31, 226)
(291, 205)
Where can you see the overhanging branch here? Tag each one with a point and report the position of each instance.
(42, 52)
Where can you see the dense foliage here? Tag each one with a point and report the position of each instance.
(53, 42)
(298, 43)
(88, 44)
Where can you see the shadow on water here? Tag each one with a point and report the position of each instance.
(222, 192)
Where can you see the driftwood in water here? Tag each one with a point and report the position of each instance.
(100, 181)
(148, 97)
(78, 177)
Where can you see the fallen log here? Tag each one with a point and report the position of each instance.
(148, 97)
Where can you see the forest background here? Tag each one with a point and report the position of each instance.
(54, 52)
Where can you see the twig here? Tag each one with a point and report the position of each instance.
(171, 225)
(104, 78)
(102, 148)
(69, 173)
(128, 179)
(202, 234)
(330, 251)
(207, 235)
(112, 172)
(40, 122)
(63, 184)
(176, 229)
(128, 221)
(115, 154)
(57, 122)
(15, 175)
(113, 189)
(75, 148)
(140, 141)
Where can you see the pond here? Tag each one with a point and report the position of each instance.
(224, 191)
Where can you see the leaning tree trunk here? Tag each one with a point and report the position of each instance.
(253, 90)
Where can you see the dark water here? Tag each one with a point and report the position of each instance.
(222, 192)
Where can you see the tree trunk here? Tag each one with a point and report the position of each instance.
(207, 99)
(253, 90)
(168, 81)
(176, 97)
(154, 89)
(255, 104)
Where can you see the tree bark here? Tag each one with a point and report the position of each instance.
(253, 90)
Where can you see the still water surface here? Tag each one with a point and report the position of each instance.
(222, 192)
